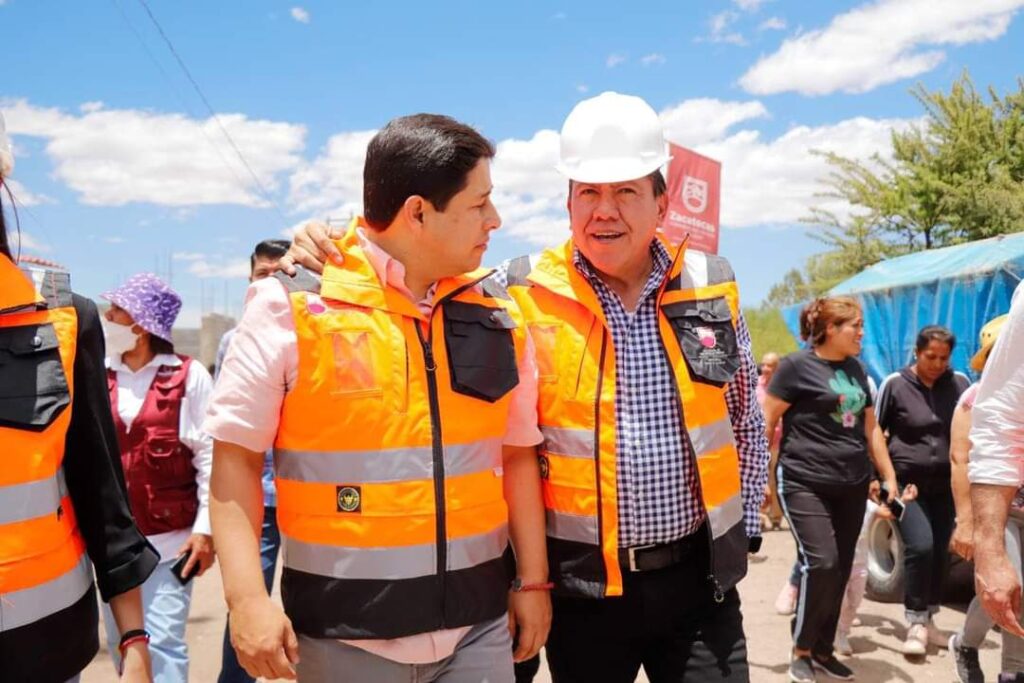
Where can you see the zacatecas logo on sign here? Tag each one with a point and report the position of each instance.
(693, 200)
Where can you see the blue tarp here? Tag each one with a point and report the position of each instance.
(960, 287)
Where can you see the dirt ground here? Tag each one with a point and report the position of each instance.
(876, 642)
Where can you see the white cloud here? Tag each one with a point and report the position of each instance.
(114, 240)
(24, 197)
(90, 107)
(749, 5)
(582, 88)
(335, 177)
(877, 43)
(775, 181)
(112, 157)
(653, 58)
(693, 122)
(615, 59)
(720, 33)
(300, 15)
(772, 24)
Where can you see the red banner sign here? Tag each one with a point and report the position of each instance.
(694, 182)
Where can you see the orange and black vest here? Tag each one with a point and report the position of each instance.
(698, 307)
(158, 469)
(44, 570)
(388, 456)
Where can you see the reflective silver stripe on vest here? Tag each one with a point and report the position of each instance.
(405, 562)
(388, 465)
(710, 437)
(20, 608)
(704, 270)
(726, 516)
(574, 443)
(20, 502)
(579, 528)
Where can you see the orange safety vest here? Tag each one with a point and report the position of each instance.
(43, 565)
(388, 455)
(698, 306)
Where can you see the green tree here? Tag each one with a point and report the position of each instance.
(768, 331)
(956, 177)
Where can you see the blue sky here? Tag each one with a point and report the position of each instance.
(120, 167)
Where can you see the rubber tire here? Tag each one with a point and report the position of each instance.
(885, 562)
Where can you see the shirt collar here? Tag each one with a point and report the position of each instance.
(390, 270)
(661, 263)
(168, 359)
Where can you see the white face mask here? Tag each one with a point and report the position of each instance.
(120, 338)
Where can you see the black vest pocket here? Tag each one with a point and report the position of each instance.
(707, 338)
(33, 386)
(481, 351)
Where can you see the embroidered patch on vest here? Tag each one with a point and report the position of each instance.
(349, 499)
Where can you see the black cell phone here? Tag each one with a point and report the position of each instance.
(179, 566)
(894, 503)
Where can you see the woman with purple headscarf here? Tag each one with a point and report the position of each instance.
(159, 399)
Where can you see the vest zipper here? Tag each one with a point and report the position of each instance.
(438, 458)
(437, 443)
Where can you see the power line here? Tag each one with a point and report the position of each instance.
(213, 114)
(177, 93)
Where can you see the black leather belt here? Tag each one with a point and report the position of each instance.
(645, 558)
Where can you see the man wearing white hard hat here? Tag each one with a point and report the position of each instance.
(655, 456)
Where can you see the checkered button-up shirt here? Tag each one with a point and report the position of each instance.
(656, 467)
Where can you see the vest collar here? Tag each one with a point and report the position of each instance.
(17, 290)
(356, 282)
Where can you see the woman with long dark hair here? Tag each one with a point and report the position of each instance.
(824, 470)
(62, 497)
(915, 409)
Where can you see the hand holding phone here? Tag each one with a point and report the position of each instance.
(179, 567)
(892, 501)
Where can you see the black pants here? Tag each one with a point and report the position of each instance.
(826, 520)
(666, 621)
(926, 527)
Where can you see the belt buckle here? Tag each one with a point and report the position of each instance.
(631, 554)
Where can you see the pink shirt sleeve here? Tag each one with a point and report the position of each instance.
(522, 427)
(261, 364)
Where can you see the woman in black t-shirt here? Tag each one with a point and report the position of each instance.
(824, 470)
(915, 410)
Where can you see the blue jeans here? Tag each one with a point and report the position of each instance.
(165, 605)
(270, 541)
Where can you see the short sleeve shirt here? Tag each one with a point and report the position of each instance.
(823, 438)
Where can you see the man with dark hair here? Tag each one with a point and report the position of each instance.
(263, 263)
(400, 397)
(264, 258)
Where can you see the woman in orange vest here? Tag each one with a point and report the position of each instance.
(62, 497)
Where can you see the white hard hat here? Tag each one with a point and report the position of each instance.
(6, 155)
(612, 138)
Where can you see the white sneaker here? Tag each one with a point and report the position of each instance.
(917, 640)
(786, 602)
(842, 644)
